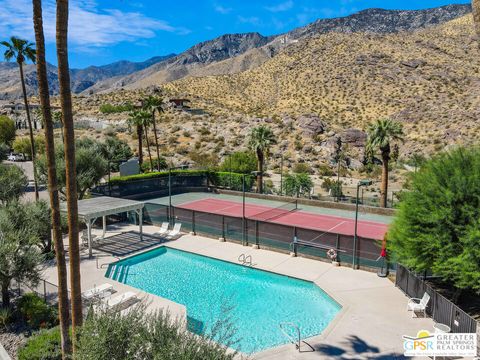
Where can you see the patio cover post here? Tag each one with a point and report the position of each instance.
(140, 222)
(104, 218)
(89, 237)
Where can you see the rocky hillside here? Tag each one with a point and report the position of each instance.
(428, 79)
(375, 21)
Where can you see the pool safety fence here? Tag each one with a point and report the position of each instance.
(439, 307)
(268, 235)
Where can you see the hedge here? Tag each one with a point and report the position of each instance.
(220, 179)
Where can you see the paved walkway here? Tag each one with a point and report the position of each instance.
(370, 325)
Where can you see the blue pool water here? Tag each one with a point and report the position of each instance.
(256, 301)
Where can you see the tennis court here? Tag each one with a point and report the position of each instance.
(289, 215)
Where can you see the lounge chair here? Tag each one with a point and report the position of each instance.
(163, 229)
(97, 291)
(416, 304)
(120, 299)
(175, 232)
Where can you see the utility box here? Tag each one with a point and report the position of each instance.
(131, 167)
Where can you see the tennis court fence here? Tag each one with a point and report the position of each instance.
(259, 230)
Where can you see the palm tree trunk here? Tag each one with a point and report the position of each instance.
(384, 188)
(476, 17)
(63, 311)
(140, 145)
(70, 165)
(156, 139)
(148, 148)
(260, 171)
(29, 120)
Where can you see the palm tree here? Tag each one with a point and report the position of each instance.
(154, 104)
(22, 50)
(136, 118)
(64, 315)
(380, 136)
(69, 148)
(476, 17)
(261, 138)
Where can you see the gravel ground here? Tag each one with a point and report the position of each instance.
(13, 339)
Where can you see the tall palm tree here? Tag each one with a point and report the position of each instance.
(381, 134)
(260, 141)
(63, 310)
(476, 17)
(69, 148)
(22, 50)
(134, 120)
(154, 104)
(138, 119)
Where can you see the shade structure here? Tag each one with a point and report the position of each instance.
(89, 210)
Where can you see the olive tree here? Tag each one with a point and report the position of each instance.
(12, 183)
(20, 255)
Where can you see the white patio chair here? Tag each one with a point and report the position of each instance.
(416, 304)
(163, 229)
(120, 299)
(97, 291)
(175, 232)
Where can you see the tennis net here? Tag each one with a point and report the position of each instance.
(276, 212)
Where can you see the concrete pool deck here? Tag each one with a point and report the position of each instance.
(370, 325)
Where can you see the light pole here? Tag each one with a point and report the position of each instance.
(170, 195)
(281, 174)
(359, 184)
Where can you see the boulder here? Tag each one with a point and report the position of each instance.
(354, 137)
(311, 124)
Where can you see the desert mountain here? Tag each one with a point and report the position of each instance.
(230, 54)
(81, 78)
(428, 79)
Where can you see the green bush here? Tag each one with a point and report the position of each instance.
(7, 130)
(44, 345)
(334, 186)
(325, 170)
(156, 174)
(36, 312)
(243, 162)
(155, 162)
(302, 168)
(109, 335)
(111, 109)
(297, 185)
(5, 317)
(232, 181)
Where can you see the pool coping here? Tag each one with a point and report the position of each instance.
(328, 329)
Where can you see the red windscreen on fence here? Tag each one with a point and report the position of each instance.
(289, 217)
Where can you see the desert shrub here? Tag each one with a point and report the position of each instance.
(107, 335)
(44, 345)
(325, 170)
(21, 145)
(5, 317)
(36, 312)
(111, 109)
(300, 168)
(333, 186)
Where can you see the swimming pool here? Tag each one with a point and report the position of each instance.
(255, 301)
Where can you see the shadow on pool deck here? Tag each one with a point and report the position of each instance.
(355, 348)
(127, 243)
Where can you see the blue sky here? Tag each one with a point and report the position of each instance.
(103, 31)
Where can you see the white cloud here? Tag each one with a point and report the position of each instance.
(284, 6)
(89, 26)
(222, 9)
(249, 20)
